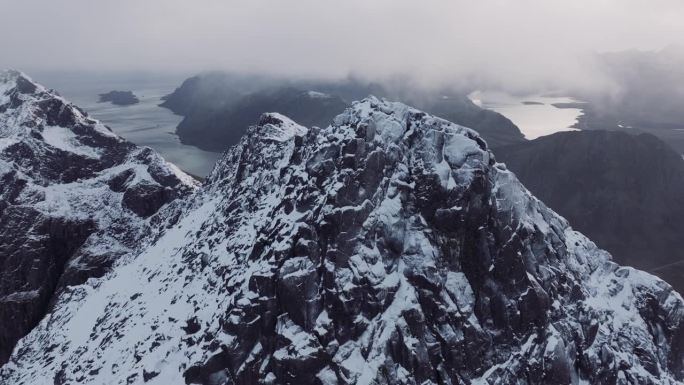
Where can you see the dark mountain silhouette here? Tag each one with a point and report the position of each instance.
(624, 191)
(218, 107)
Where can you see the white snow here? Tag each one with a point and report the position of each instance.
(64, 139)
(327, 376)
(457, 285)
(457, 148)
(302, 344)
(6, 142)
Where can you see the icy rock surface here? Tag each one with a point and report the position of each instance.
(387, 248)
(73, 198)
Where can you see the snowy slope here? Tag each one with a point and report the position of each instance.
(73, 198)
(388, 248)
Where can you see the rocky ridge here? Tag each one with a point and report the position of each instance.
(74, 197)
(387, 248)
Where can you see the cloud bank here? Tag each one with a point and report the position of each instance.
(519, 44)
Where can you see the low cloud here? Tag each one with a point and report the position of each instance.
(522, 44)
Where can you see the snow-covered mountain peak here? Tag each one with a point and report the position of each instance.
(27, 107)
(386, 248)
(390, 123)
(8, 81)
(74, 198)
(12, 78)
(274, 126)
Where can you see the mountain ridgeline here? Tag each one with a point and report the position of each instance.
(387, 247)
(74, 198)
(218, 107)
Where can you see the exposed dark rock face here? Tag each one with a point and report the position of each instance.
(388, 248)
(623, 191)
(73, 198)
(218, 107)
(145, 199)
(119, 98)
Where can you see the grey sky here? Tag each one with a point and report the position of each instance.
(514, 41)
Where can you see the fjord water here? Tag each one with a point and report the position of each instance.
(145, 123)
(535, 115)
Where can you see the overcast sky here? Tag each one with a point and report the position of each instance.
(515, 41)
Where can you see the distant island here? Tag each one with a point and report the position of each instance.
(119, 98)
(532, 103)
(578, 105)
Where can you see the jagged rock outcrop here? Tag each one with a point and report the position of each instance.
(388, 248)
(74, 197)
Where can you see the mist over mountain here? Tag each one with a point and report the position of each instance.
(649, 87)
(647, 95)
(218, 107)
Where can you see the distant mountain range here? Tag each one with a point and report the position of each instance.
(218, 107)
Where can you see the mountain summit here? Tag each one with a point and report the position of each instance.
(387, 248)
